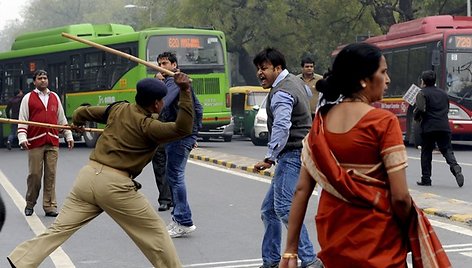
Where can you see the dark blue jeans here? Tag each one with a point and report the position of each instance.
(276, 207)
(177, 153)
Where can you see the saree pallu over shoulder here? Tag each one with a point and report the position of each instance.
(357, 185)
(351, 183)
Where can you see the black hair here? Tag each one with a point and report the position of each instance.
(38, 73)
(307, 59)
(271, 55)
(355, 62)
(169, 55)
(429, 78)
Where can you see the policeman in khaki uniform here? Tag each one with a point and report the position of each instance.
(106, 183)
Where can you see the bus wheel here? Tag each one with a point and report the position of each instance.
(91, 137)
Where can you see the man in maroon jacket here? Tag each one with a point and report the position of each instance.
(42, 105)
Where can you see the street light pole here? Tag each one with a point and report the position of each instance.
(468, 8)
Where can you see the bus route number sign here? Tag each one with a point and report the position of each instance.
(462, 41)
(183, 42)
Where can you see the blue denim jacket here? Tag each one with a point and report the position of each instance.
(169, 112)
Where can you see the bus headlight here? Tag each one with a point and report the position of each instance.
(455, 112)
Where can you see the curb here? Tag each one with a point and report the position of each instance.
(423, 200)
(232, 165)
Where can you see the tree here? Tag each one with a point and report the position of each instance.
(296, 27)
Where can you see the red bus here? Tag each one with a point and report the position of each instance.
(439, 43)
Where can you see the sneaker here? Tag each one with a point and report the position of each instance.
(171, 225)
(317, 263)
(181, 230)
(8, 145)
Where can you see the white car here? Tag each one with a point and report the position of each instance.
(260, 134)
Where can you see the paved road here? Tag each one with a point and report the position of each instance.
(443, 199)
(225, 204)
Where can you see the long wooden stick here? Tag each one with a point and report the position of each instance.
(119, 53)
(38, 124)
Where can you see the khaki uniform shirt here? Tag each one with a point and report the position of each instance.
(131, 134)
(312, 85)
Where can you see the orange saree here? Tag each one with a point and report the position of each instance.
(355, 223)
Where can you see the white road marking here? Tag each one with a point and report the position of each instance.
(451, 227)
(236, 263)
(58, 257)
(238, 172)
(440, 161)
(468, 254)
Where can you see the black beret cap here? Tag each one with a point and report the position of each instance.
(148, 90)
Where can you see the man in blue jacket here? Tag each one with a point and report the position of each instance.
(177, 152)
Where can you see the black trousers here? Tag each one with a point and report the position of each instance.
(429, 141)
(159, 165)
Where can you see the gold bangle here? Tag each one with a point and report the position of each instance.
(289, 256)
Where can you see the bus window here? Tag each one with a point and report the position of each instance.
(399, 72)
(418, 58)
(11, 81)
(74, 72)
(459, 75)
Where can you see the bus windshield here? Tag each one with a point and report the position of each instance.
(192, 51)
(459, 75)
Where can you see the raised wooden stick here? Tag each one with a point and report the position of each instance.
(38, 124)
(119, 53)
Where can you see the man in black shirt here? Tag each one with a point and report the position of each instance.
(433, 107)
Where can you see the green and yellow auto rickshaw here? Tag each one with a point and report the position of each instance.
(245, 102)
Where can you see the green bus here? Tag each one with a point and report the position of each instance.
(83, 75)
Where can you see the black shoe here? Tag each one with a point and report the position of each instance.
(28, 211)
(51, 214)
(11, 263)
(459, 179)
(422, 183)
(164, 207)
(457, 172)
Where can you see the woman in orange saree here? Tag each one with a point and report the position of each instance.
(365, 217)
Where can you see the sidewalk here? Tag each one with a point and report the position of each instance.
(451, 209)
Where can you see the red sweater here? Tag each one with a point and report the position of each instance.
(39, 136)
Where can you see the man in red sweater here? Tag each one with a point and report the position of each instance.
(42, 105)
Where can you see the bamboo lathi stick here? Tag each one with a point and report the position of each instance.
(38, 124)
(119, 53)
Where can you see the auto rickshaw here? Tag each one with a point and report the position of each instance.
(245, 102)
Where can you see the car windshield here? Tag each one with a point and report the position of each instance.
(459, 76)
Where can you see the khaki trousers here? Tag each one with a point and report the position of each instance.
(96, 190)
(42, 159)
